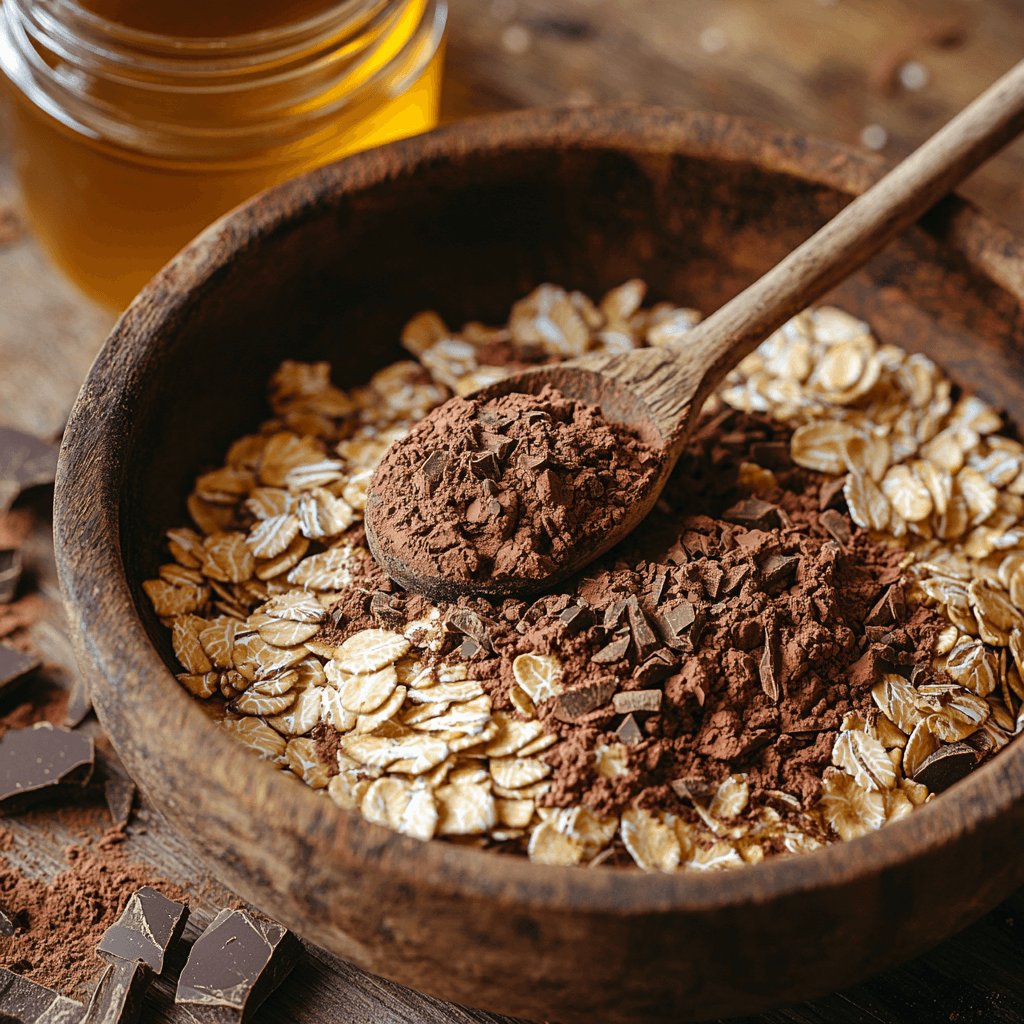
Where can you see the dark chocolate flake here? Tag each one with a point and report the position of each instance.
(629, 732)
(753, 514)
(776, 568)
(25, 461)
(643, 636)
(638, 700)
(576, 703)
(576, 618)
(947, 765)
(149, 925)
(615, 651)
(837, 525)
(38, 762)
(8, 926)
(233, 966)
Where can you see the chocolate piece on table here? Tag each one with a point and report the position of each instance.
(120, 794)
(37, 762)
(630, 732)
(10, 574)
(637, 700)
(837, 525)
(754, 514)
(576, 703)
(14, 664)
(117, 998)
(947, 765)
(233, 966)
(25, 1002)
(79, 703)
(25, 461)
(147, 928)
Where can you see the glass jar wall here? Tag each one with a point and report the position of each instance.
(129, 139)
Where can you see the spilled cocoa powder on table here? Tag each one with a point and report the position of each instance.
(506, 488)
(731, 632)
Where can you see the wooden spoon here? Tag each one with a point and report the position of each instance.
(656, 390)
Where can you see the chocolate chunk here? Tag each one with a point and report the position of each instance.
(432, 469)
(383, 609)
(734, 577)
(147, 928)
(629, 732)
(485, 466)
(771, 454)
(117, 998)
(614, 615)
(837, 525)
(14, 664)
(890, 609)
(831, 494)
(473, 625)
(949, 764)
(234, 965)
(576, 618)
(469, 649)
(498, 446)
(576, 703)
(652, 597)
(8, 926)
(615, 651)
(38, 762)
(643, 636)
(672, 620)
(10, 575)
(24, 1002)
(753, 514)
(658, 667)
(775, 568)
(711, 577)
(25, 461)
(637, 700)
(79, 702)
(120, 794)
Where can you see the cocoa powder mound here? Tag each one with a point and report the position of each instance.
(742, 627)
(60, 925)
(507, 488)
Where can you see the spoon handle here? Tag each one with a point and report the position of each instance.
(856, 234)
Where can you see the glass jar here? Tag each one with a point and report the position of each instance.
(129, 142)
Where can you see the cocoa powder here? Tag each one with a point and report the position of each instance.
(506, 488)
(734, 630)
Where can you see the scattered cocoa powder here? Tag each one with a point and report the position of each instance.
(59, 925)
(741, 629)
(506, 488)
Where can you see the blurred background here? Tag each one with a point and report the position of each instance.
(878, 75)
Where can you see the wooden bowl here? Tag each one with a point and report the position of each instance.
(466, 220)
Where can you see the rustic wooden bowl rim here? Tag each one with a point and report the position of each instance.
(112, 634)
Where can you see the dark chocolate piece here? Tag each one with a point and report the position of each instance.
(775, 568)
(384, 611)
(36, 763)
(837, 525)
(630, 732)
(614, 615)
(25, 461)
(657, 668)
(577, 618)
(735, 576)
(14, 664)
(7, 925)
(890, 609)
(117, 998)
(234, 965)
(472, 625)
(831, 494)
(753, 514)
(433, 469)
(947, 765)
(79, 703)
(469, 649)
(637, 700)
(615, 651)
(24, 1002)
(10, 575)
(643, 636)
(120, 794)
(149, 925)
(576, 703)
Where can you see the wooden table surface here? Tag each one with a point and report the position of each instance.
(884, 73)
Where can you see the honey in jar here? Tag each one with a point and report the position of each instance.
(137, 123)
